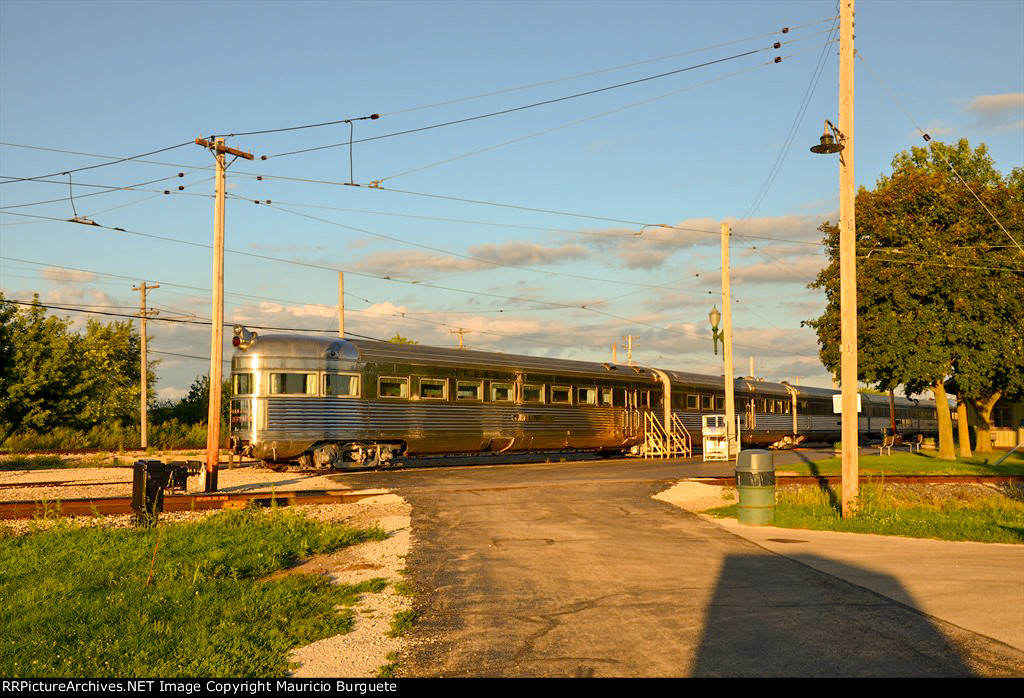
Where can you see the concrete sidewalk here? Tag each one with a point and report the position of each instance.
(975, 586)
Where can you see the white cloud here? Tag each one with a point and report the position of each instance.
(1002, 112)
(67, 276)
(528, 253)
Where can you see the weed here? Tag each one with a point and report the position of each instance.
(402, 623)
(389, 670)
(404, 588)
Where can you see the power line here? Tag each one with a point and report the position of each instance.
(576, 122)
(797, 120)
(784, 30)
(102, 164)
(579, 215)
(462, 256)
(523, 107)
(107, 190)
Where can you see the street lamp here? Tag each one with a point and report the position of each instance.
(716, 334)
(829, 144)
(834, 141)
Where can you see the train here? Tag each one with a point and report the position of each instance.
(345, 403)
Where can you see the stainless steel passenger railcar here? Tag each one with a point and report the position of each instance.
(337, 403)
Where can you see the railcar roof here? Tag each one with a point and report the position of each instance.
(419, 353)
(297, 346)
(305, 346)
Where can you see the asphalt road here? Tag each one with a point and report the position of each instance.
(572, 569)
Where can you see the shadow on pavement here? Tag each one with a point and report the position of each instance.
(770, 616)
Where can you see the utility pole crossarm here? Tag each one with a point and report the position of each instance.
(221, 148)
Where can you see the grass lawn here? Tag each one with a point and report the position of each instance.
(178, 600)
(945, 512)
(906, 463)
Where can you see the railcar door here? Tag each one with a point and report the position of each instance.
(632, 413)
(750, 415)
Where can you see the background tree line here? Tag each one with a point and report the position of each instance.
(64, 387)
(940, 283)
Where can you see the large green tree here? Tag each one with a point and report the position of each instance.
(111, 369)
(41, 379)
(940, 283)
(51, 375)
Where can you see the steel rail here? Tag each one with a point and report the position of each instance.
(104, 506)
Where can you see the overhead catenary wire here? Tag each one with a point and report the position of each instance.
(784, 30)
(107, 189)
(457, 254)
(309, 265)
(479, 202)
(410, 316)
(92, 167)
(512, 110)
(573, 123)
(493, 93)
(797, 121)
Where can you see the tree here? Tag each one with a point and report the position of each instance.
(193, 408)
(111, 372)
(399, 339)
(42, 385)
(938, 281)
(52, 376)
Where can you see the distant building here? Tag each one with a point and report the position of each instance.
(1007, 422)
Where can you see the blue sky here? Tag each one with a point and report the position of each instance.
(83, 83)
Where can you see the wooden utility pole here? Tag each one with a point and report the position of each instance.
(217, 330)
(460, 332)
(144, 400)
(730, 397)
(615, 352)
(847, 262)
(341, 304)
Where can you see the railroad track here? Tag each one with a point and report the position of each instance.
(57, 483)
(888, 479)
(28, 509)
(106, 506)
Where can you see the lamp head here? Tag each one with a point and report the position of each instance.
(827, 145)
(715, 317)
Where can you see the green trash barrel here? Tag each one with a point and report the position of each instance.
(755, 482)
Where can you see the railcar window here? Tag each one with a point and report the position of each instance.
(241, 384)
(433, 388)
(691, 402)
(341, 386)
(393, 387)
(501, 392)
(586, 396)
(786, 407)
(645, 398)
(719, 402)
(293, 384)
(465, 390)
(606, 397)
(533, 393)
(705, 402)
(560, 394)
